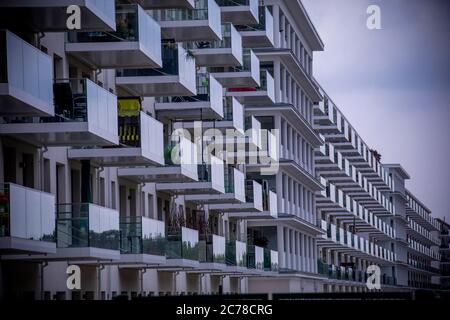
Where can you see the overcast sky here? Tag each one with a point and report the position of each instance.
(393, 84)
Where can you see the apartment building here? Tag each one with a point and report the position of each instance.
(444, 250)
(184, 147)
(367, 214)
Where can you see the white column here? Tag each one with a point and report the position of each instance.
(276, 24)
(280, 241)
(288, 247)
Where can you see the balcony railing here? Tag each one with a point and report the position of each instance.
(141, 235)
(128, 28)
(26, 213)
(183, 244)
(135, 43)
(212, 249)
(270, 260)
(25, 76)
(261, 34)
(175, 22)
(200, 12)
(82, 225)
(236, 253)
(255, 257)
(261, 26)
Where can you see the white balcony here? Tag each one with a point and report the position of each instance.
(50, 15)
(141, 143)
(262, 94)
(217, 53)
(85, 231)
(211, 180)
(136, 43)
(182, 248)
(85, 114)
(142, 241)
(237, 77)
(164, 4)
(239, 12)
(250, 207)
(206, 105)
(176, 77)
(27, 220)
(200, 24)
(212, 253)
(181, 166)
(234, 190)
(236, 255)
(260, 35)
(26, 78)
(233, 119)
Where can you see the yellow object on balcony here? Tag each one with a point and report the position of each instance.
(129, 107)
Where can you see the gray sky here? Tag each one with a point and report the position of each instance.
(393, 84)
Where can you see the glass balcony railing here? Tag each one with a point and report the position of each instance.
(255, 257)
(170, 64)
(249, 62)
(183, 244)
(261, 26)
(200, 12)
(26, 213)
(236, 253)
(81, 100)
(212, 249)
(227, 40)
(141, 235)
(82, 225)
(203, 92)
(270, 260)
(233, 3)
(322, 267)
(128, 28)
(229, 179)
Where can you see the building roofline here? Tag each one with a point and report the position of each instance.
(398, 166)
(306, 25)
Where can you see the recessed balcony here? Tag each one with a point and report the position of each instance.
(50, 16)
(258, 35)
(212, 252)
(25, 78)
(234, 190)
(181, 166)
(247, 75)
(199, 24)
(27, 220)
(182, 247)
(141, 140)
(85, 231)
(206, 105)
(176, 77)
(216, 53)
(142, 241)
(211, 180)
(262, 94)
(136, 42)
(239, 12)
(164, 4)
(85, 114)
